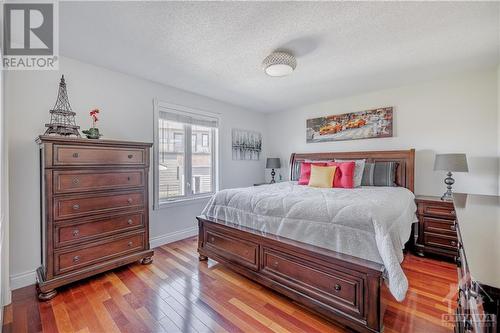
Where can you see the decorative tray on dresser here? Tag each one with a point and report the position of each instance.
(478, 261)
(436, 231)
(94, 216)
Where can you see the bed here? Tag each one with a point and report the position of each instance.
(305, 243)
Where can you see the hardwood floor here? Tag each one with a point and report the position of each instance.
(179, 294)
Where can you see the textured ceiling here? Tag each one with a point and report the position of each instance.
(216, 48)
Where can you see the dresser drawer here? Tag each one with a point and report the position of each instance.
(444, 241)
(233, 249)
(93, 180)
(443, 210)
(92, 155)
(81, 205)
(440, 226)
(97, 252)
(87, 230)
(328, 286)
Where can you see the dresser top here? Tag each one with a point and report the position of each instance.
(479, 226)
(82, 141)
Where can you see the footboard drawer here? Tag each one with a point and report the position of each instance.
(341, 290)
(233, 249)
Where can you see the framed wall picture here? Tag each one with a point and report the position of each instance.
(246, 145)
(375, 123)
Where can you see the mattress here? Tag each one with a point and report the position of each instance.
(372, 223)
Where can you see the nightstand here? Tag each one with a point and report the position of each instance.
(437, 229)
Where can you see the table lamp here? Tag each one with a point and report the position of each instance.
(450, 162)
(273, 163)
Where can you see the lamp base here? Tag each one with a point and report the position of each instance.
(447, 196)
(449, 181)
(273, 173)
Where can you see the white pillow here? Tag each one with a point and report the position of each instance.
(358, 170)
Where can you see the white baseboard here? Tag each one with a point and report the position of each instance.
(173, 237)
(28, 278)
(22, 280)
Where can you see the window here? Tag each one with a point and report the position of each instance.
(204, 140)
(185, 168)
(178, 138)
(193, 143)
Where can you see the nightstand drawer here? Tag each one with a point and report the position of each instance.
(447, 242)
(439, 226)
(438, 210)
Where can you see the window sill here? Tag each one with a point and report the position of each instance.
(182, 202)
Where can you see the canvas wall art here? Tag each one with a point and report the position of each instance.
(375, 123)
(246, 145)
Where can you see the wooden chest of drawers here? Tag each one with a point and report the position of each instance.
(437, 229)
(478, 295)
(94, 208)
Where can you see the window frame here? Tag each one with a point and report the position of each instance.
(159, 106)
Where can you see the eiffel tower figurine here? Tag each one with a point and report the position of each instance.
(62, 117)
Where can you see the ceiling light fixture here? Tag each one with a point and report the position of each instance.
(279, 63)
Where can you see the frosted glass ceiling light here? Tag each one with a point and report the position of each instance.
(279, 64)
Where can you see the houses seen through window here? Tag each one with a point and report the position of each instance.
(186, 155)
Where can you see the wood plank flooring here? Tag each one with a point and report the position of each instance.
(179, 294)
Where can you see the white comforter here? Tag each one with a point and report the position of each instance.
(372, 223)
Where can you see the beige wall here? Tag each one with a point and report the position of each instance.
(457, 114)
(127, 113)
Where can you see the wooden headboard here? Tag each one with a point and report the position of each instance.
(405, 171)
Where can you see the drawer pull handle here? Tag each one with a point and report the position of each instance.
(76, 181)
(453, 227)
(130, 244)
(75, 155)
(76, 233)
(453, 243)
(337, 287)
(76, 258)
(212, 239)
(130, 156)
(276, 263)
(128, 178)
(458, 261)
(76, 207)
(472, 293)
(130, 221)
(452, 212)
(129, 200)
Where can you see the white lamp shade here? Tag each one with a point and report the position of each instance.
(273, 163)
(451, 162)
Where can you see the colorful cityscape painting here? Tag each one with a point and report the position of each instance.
(375, 123)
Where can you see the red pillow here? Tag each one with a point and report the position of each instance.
(305, 172)
(344, 176)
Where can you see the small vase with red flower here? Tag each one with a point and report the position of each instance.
(93, 132)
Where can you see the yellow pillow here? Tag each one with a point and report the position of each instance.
(322, 176)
